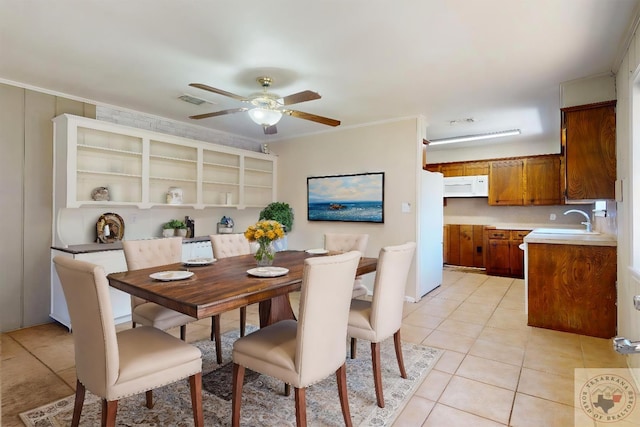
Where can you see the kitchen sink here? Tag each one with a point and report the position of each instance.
(563, 231)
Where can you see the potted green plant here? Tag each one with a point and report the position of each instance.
(278, 211)
(175, 227)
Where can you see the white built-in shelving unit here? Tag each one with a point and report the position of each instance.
(139, 166)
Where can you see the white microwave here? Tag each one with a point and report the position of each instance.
(466, 186)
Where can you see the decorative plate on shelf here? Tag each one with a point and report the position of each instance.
(199, 261)
(167, 276)
(268, 271)
(110, 228)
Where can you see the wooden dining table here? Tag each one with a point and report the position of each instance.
(225, 285)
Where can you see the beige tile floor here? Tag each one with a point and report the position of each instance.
(495, 370)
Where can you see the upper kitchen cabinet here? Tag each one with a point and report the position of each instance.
(459, 168)
(589, 143)
(139, 167)
(506, 182)
(543, 180)
(526, 181)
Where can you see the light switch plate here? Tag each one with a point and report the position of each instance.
(406, 207)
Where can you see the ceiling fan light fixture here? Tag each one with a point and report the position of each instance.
(265, 117)
(477, 137)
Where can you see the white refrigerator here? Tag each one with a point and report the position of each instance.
(430, 213)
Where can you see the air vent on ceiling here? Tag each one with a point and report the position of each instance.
(192, 99)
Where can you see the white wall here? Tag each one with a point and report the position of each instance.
(389, 148)
(463, 153)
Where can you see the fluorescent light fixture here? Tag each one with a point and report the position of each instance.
(476, 137)
(264, 116)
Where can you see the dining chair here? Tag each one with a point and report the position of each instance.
(380, 318)
(150, 253)
(228, 245)
(116, 365)
(344, 242)
(305, 351)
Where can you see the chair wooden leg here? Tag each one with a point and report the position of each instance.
(354, 344)
(341, 378)
(398, 345)
(149, 395)
(301, 407)
(236, 396)
(183, 332)
(377, 376)
(195, 384)
(243, 320)
(109, 410)
(77, 407)
(215, 336)
(287, 389)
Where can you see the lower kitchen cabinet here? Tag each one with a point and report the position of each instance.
(572, 288)
(463, 245)
(503, 254)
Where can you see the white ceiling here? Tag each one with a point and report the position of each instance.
(498, 61)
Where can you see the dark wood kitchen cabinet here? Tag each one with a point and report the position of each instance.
(526, 181)
(588, 139)
(460, 168)
(506, 182)
(572, 288)
(464, 245)
(503, 256)
(543, 180)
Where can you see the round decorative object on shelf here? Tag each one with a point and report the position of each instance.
(110, 228)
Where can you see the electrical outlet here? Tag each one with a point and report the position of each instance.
(552, 217)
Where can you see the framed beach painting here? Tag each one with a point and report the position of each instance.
(349, 198)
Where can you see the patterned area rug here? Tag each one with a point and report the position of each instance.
(263, 402)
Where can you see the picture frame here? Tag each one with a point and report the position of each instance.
(347, 198)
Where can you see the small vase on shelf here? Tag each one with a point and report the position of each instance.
(265, 254)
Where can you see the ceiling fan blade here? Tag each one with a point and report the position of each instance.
(218, 91)
(312, 117)
(218, 113)
(270, 130)
(306, 95)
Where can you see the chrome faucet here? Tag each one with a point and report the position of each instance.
(586, 223)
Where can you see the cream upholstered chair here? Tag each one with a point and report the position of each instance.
(381, 318)
(228, 245)
(305, 351)
(349, 242)
(115, 365)
(150, 253)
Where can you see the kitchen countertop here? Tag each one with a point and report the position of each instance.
(572, 239)
(101, 247)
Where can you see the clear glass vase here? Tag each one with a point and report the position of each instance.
(265, 254)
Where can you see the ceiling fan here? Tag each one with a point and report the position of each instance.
(267, 107)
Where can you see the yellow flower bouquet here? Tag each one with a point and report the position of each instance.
(264, 232)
